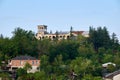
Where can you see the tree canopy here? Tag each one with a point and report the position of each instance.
(58, 58)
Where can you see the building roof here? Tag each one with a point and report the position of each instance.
(77, 32)
(24, 58)
(106, 64)
(111, 75)
(65, 32)
(85, 33)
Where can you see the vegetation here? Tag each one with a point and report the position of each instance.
(60, 59)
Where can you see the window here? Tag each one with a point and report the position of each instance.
(32, 62)
(20, 62)
(36, 62)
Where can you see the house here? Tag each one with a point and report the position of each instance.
(42, 33)
(20, 61)
(112, 76)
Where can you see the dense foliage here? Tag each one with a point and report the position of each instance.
(59, 59)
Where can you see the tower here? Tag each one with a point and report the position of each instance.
(42, 29)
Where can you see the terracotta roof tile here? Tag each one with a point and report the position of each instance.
(24, 58)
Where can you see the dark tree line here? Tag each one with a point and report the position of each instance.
(82, 55)
(100, 37)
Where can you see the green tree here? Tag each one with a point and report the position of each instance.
(5, 76)
(86, 51)
(43, 47)
(107, 58)
(111, 68)
(45, 65)
(27, 66)
(67, 48)
(41, 76)
(99, 37)
(90, 77)
(56, 33)
(24, 42)
(80, 65)
(21, 71)
(114, 42)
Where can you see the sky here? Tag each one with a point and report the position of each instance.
(59, 15)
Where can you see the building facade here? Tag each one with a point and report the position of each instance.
(43, 34)
(20, 61)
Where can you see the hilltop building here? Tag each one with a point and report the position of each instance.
(42, 33)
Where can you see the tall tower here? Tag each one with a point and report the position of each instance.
(42, 29)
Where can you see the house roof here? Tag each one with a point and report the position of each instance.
(77, 32)
(111, 75)
(24, 58)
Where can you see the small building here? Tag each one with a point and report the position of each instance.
(112, 76)
(20, 61)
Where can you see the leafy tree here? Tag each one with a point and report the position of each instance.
(71, 34)
(80, 65)
(68, 49)
(43, 47)
(5, 76)
(111, 68)
(86, 51)
(107, 58)
(45, 65)
(99, 37)
(24, 42)
(21, 71)
(117, 60)
(114, 42)
(41, 76)
(90, 77)
(27, 66)
(56, 38)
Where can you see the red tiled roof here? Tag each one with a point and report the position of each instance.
(77, 32)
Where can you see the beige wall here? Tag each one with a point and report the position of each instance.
(52, 36)
(117, 77)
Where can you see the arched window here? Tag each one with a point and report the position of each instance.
(68, 37)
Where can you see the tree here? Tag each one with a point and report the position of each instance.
(21, 71)
(90, 77)
(45, 65)
(86, 51)
(41, 76)
(71, 30)
(80, 65)
(67, 48)
(114, 42)
(56, 33)
(24, 42)
(27, 66)
(107, 58)
(43, 47)
(4, 76)
(111, 68)
(99, 37)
